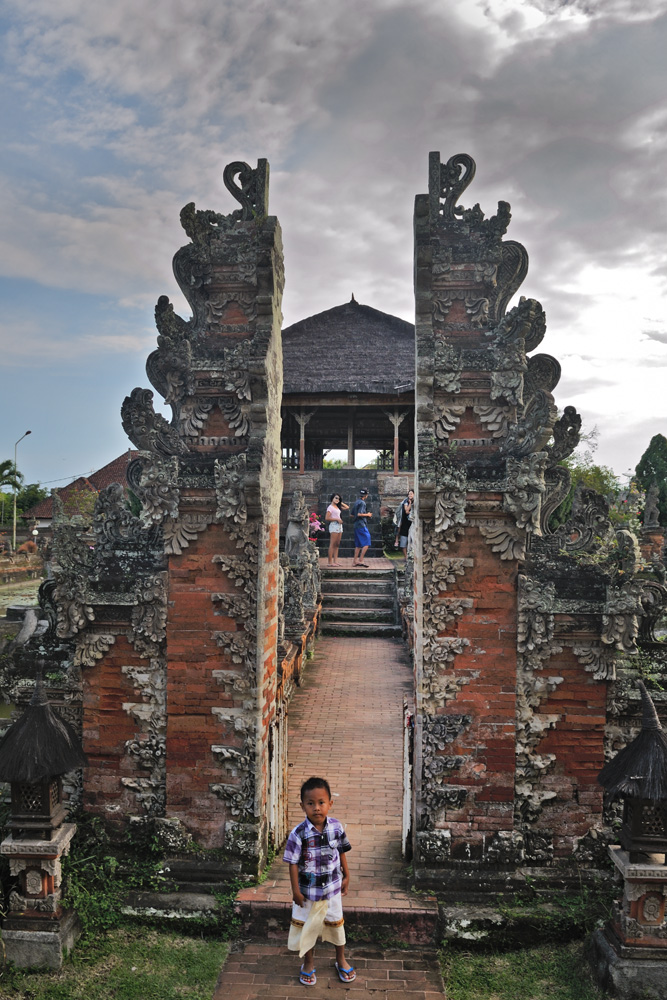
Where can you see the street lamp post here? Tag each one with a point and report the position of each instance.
(15, 475)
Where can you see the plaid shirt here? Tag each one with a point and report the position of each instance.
(318, 857)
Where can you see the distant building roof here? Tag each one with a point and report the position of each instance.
(350, 348)
(114, 472)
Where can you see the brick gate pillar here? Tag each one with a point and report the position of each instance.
(484, 415)
(211, 478)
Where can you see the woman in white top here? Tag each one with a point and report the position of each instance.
(333, 516)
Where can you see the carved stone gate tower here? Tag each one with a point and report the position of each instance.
(518, 632)
(174, 613)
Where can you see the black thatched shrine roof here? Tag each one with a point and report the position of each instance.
(350, 348)
(640, 769)
(39, 744)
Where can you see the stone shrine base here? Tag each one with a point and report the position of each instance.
(36, 943)
(626, 972)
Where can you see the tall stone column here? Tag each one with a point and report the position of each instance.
(211, 480)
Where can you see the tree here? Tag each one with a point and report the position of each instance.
(652, 468)
(29, 496)
(9, 475)
(584, 472)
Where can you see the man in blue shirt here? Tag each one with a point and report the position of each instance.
(362, 536)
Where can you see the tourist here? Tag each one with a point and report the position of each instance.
(362, 536)
(315, 851)
(403, 522)
(332, 515)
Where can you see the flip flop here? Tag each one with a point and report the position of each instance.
(365, 565)
(309, 978)
(346, 975)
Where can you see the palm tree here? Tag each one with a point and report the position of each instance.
(10, 476)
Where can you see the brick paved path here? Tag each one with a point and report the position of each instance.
(268, 970)
(346, 724)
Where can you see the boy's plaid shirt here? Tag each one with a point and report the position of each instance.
(318, 857)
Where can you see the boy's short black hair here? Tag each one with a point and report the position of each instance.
(312, 784)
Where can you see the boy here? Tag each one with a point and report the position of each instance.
(316, 853)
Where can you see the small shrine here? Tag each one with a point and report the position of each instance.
(34, 754)
(630, 953)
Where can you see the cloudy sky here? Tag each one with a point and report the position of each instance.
(115, 115)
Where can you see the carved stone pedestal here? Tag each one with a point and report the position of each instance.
(629, 956)
(37, 932)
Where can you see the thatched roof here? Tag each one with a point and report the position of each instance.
(640, 769)
(350, 348)
(39, 744)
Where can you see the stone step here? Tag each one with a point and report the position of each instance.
(375, 588)
(410, 924)
(369, 601)
(357, 573)
(382, 616)
(367, 630)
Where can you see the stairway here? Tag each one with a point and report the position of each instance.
(348, 482)
(359, 602)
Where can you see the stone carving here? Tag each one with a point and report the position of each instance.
(651, 510)
(535, 623)
(158, 489)
(149, 615)
(450, 495)
(194, 414)
(494, 418)
(505, 539)
(620, 623)
(229, 489)
(296, 536)
(448, 417)
(447, 183)
(434, 846)
(523, 495)
(596, 660)
(507, 386)
(91, 647)
(448, 366)
(179, 534)
(148, 430)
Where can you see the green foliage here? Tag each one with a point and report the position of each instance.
(10, 476)
(334, 463)
(134, 503)
(97, 879)
(129, 964)
(80, 501)
(585, 473)
(544, 973)
(29, 496)
(652, 468)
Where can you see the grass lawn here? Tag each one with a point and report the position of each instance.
(548, 972)
(18, 593)
(129, 963)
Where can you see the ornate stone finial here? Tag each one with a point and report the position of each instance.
(447, 182)
(253, 191)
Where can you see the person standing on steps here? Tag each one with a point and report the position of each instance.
(362, 536)
(333, 516)
(403, 521)
(316, 852)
